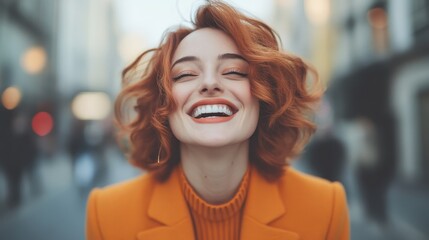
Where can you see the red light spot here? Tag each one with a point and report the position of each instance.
(42, 123)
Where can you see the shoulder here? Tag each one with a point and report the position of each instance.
(123, 197)
(302, 188)
(313, 201)
(123, 203)
(299, 181)
(126, 191)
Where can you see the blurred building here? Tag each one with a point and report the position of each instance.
(50, 53)
(89, 59)
(28, 48)
(373, 55)
(87, 46)
(52, 50)
(381, 73)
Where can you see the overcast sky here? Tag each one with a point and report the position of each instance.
(149, 19)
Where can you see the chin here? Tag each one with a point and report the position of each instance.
(217, 141)
(210, 141)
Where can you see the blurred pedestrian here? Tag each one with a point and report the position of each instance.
(326, 152)
(18, 154)
(86, 147)
(374, 167)
(25, 150)
(11, 168)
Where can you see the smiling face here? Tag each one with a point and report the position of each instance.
(215, 106)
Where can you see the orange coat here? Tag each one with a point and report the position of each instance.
(297, 206)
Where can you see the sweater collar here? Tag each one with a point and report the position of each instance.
(216, 212)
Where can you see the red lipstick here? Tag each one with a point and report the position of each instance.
(213, 101)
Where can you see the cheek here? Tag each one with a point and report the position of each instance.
(182, 91)
(250, 102)
(179, 94)
(174, 116)
(244, 94)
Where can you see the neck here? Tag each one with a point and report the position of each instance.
(215, 173)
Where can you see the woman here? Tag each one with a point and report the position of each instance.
(220, 110)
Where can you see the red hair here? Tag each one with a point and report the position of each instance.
(278, 80)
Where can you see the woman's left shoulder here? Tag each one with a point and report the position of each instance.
(297, 181)
(314, 206)
(301, 190)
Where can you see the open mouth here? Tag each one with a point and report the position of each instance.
(212, 111)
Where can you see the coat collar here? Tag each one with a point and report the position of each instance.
(168, 206)
(264, 204)
(174, 214)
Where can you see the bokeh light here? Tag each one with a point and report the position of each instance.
(34, 60)
(42, 123)
(317, 11)
(91, 106)
(11, 97)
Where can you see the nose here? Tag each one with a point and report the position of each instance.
(211, 86)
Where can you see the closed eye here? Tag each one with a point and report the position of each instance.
(180, 76)
(235, 72)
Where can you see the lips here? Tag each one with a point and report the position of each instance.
(212, 110)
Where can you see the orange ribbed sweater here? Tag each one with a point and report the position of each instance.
(216, 221)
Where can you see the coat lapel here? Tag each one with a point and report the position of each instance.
(169, 207)
(263, 205)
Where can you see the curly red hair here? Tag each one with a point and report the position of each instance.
(278, 80)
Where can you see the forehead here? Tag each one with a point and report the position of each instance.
(205, 42)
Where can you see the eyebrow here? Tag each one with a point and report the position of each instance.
(220, 57)
(185, 59)
(231, 56)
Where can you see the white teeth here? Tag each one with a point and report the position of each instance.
(217, 108)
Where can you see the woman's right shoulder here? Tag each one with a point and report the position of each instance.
(122, 203)
(122, 199)
(125, 191)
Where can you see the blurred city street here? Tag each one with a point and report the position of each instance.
(60, 73)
